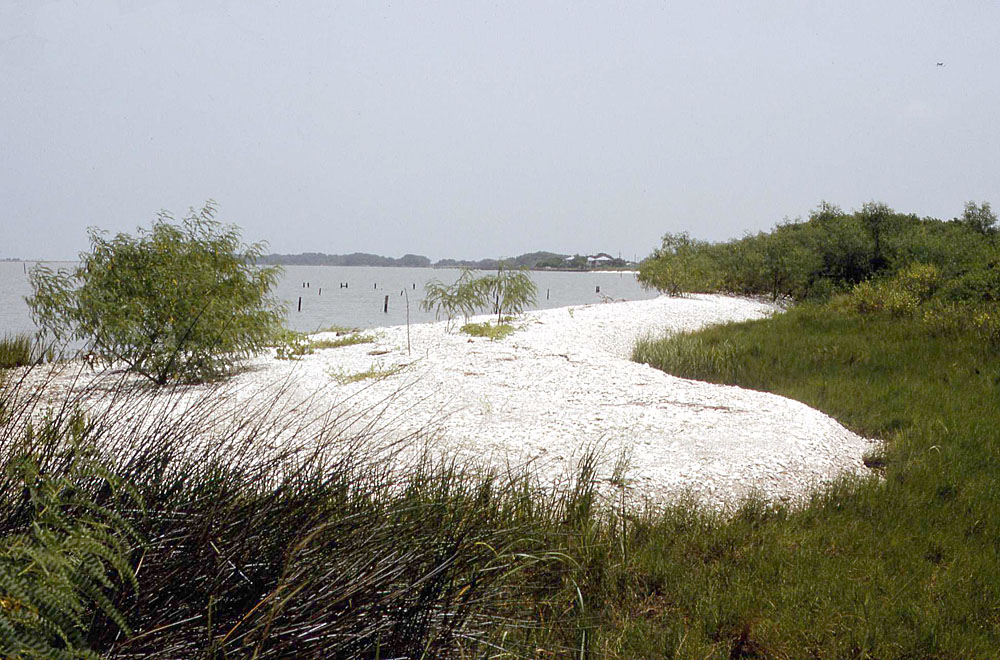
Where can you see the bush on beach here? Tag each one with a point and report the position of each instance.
(176, 302)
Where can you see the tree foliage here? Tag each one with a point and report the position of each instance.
(834, 251)
(507, 292)
(175, 302)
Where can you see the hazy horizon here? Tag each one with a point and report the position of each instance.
(474, 130)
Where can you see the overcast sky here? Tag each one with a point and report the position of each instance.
(485, 129)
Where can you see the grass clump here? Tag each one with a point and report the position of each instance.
(291, 345)
(374, 372)
(491, 331)
(351, 339)
(16, 351)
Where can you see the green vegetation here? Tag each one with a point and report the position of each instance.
(887, 568)
(291, 345)
(63, 550)
(312, 547)
(177, 302)
(464, 296)
(489, 330)
(506, 293)
(374, 372)
(900, 345)
(350, 339)
(16, 351)
(832, 252)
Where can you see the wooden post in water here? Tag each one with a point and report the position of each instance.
(300, 303)
(385, 308)
(546, 294)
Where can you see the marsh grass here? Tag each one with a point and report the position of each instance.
(900, 566)
(20, 351)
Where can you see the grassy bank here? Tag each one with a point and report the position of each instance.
(904, 566)
(312, 548)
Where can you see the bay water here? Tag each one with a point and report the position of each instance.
(355, 296)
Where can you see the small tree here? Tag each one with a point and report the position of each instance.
(176, 302)
(680, 264)
(451, 300)
(508, 292)
(979, 218)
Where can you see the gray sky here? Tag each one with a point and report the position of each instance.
(482, 129)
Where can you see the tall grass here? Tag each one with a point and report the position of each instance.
(16, 351)
(270, 534)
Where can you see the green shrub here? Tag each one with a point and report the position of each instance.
(176, 302)
(987, 324)
(883, 297)
(921, 280)
(508, 292)
(680, 264)
(461, 297)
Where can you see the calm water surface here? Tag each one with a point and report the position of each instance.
(361, 302)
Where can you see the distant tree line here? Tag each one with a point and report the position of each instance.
(833, 251)
(530, 260)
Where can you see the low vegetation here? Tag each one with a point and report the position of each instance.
(374, 372)
(491, 331)
(350, 339)
(16, 351)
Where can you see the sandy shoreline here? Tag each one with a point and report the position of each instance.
(564, 383)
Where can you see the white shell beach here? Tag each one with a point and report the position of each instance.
(563, 385)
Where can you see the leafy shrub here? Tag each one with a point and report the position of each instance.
(461, 297)
(509, 292)
(883, 297)
(173, 303)
(680, 264)
(921, 280)
(987, 324)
